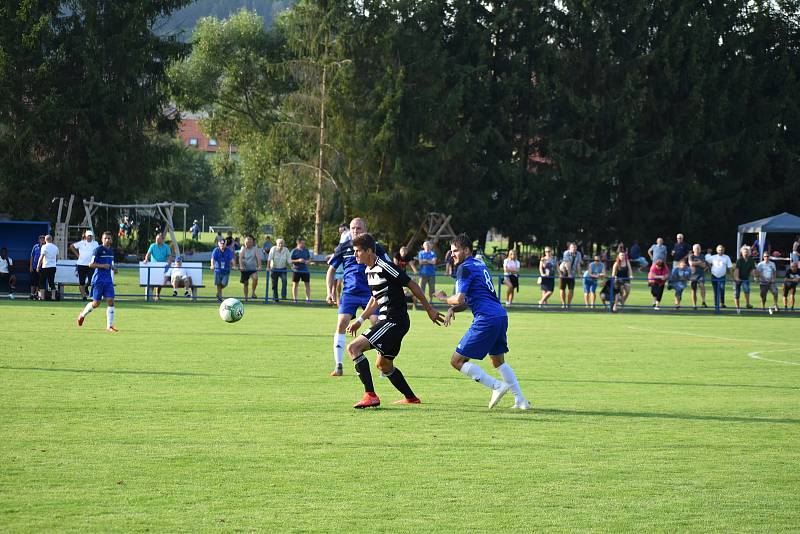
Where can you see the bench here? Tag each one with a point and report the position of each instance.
(153, 273)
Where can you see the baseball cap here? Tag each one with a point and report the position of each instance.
(89, 232)
(179, 258)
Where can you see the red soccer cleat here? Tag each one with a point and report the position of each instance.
(112, 329)
(370, 400)
(407, 400)
(80, 320)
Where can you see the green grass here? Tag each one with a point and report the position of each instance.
(181, 422)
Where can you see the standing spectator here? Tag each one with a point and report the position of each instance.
(221, 263)
(720, 264)
(229, 241)
(7, 272)
(594, 273)
(790, 284)
(426, 260)
(794, 256)
(448, 263)
(267, 247)
(679, 280)
(403, 259)
(680, 251)
(635, 256)
(159, 252)
(84, 250)
(195, 230)
(658, 250)
(279, 257)
(547, 275)
(35, 253)
(511, 275)
(570, 264)
(659, 273)
(218, 237)
(249, 265)
(621, 274)
(698, 265)
(48, 259)
(741, 277)
(767, 274)
(300, 258)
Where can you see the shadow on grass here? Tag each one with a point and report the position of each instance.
(132, 372)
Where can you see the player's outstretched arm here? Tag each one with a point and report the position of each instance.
(433, 315)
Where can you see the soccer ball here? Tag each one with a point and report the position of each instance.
(231, 310)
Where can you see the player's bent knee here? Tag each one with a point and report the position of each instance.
(457, 361)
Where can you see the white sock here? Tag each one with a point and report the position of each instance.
(476, 373)
(339, 341)
(87, 309)
(510, 378)
(109, 316)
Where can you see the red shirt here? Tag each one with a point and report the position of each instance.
(655, 270)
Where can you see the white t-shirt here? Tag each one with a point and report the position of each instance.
(720, 263)
(4, 264)
(178, 273)
(510, 266)
(50, 255)
(85, 251)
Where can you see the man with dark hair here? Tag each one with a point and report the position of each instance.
(487, 333)
(387, 283)
(299, 259)
(221, 263)
(102, 283)
(7, 272)
(35, 253)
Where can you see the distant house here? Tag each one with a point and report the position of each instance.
(192, 136)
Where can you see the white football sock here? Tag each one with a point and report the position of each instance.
(109, 316)
(510, 378)
(339, 342)
(476, 373)
(87, 309)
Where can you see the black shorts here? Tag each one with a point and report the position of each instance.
(789, 288)
(246, 276)
(84, 274)
(387, 336)
(513, 278)
(301, 277)
(567, 283)
(48, 275)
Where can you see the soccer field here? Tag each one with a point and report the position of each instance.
(181, 422)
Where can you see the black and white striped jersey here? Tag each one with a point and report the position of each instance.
(386, 281)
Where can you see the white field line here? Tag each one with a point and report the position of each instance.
(757, 356)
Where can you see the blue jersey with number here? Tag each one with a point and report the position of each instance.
(103, 256)
(475, 282)
(354, 278)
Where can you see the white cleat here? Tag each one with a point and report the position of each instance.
(522, 404)
(498, 393)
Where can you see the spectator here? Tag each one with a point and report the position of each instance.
(35, 253)
(448, 263)
(7, 272)
(84, 251)
(237, 245)
(403, 259)
(681, 275)
(221, 263)
(603, 255)
(570, 264)
(48, 259)
(195, 230)
(594, 273)
(659, 273)
(657, 250)
(300, 258)
(741, 277)
(767, 274)
(279, 257)
(159, 252)
(698, 265)
(636, 257)
(344, 233)
(680, 251)
(547, 275)
(267, 247)
(181, 278)
(229, 241)
(249, 265)
(794, 256)
(720, 264)
(426, 259)
(218, 237)
(511, 275)
(790, 284)
(622, 274)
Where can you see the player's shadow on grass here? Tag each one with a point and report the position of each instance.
(658, 415)
(132, 372)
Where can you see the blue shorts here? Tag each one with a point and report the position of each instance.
(101, 290)
(349, 303)
(486, 335)
(589, 285)
(743, 285)
(220, 278)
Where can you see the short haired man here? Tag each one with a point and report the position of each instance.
(299, 259)
(426, 259)
(279, 256)
(355, 292)
(697, 264)
(720, 264)
(680, 250)
(48, 260)
(767, 274)
(387, 283)
(790, 282)
(36, 251)
(745, 265)
(195, 230)
(162, 253)
(249, 265)
(221, 263)
(569, 267)
(487, 333)
(84, 250)
(7, 272)
(180, 278)
(657, 250)
(102, 282)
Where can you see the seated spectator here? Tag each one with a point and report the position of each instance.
(635, 255)
(679, 280)
(7, 272)
(790, 284)
(656, 279)
(180, 278)
(767, 273)
(594, 273)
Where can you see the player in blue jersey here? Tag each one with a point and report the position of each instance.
(487, 333)
(102, 282)
(355, 290)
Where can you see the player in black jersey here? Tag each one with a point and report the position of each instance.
(388, 301)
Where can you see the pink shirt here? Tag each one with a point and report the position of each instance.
(656, 271)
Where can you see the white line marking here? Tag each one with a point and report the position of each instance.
(757, 356)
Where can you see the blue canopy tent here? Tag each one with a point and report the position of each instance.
(783, 223)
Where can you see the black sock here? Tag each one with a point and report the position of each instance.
(364, 373)
(399, 381)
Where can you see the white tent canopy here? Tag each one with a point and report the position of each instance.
(783, 223)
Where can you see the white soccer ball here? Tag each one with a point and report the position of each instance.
(231, 310)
